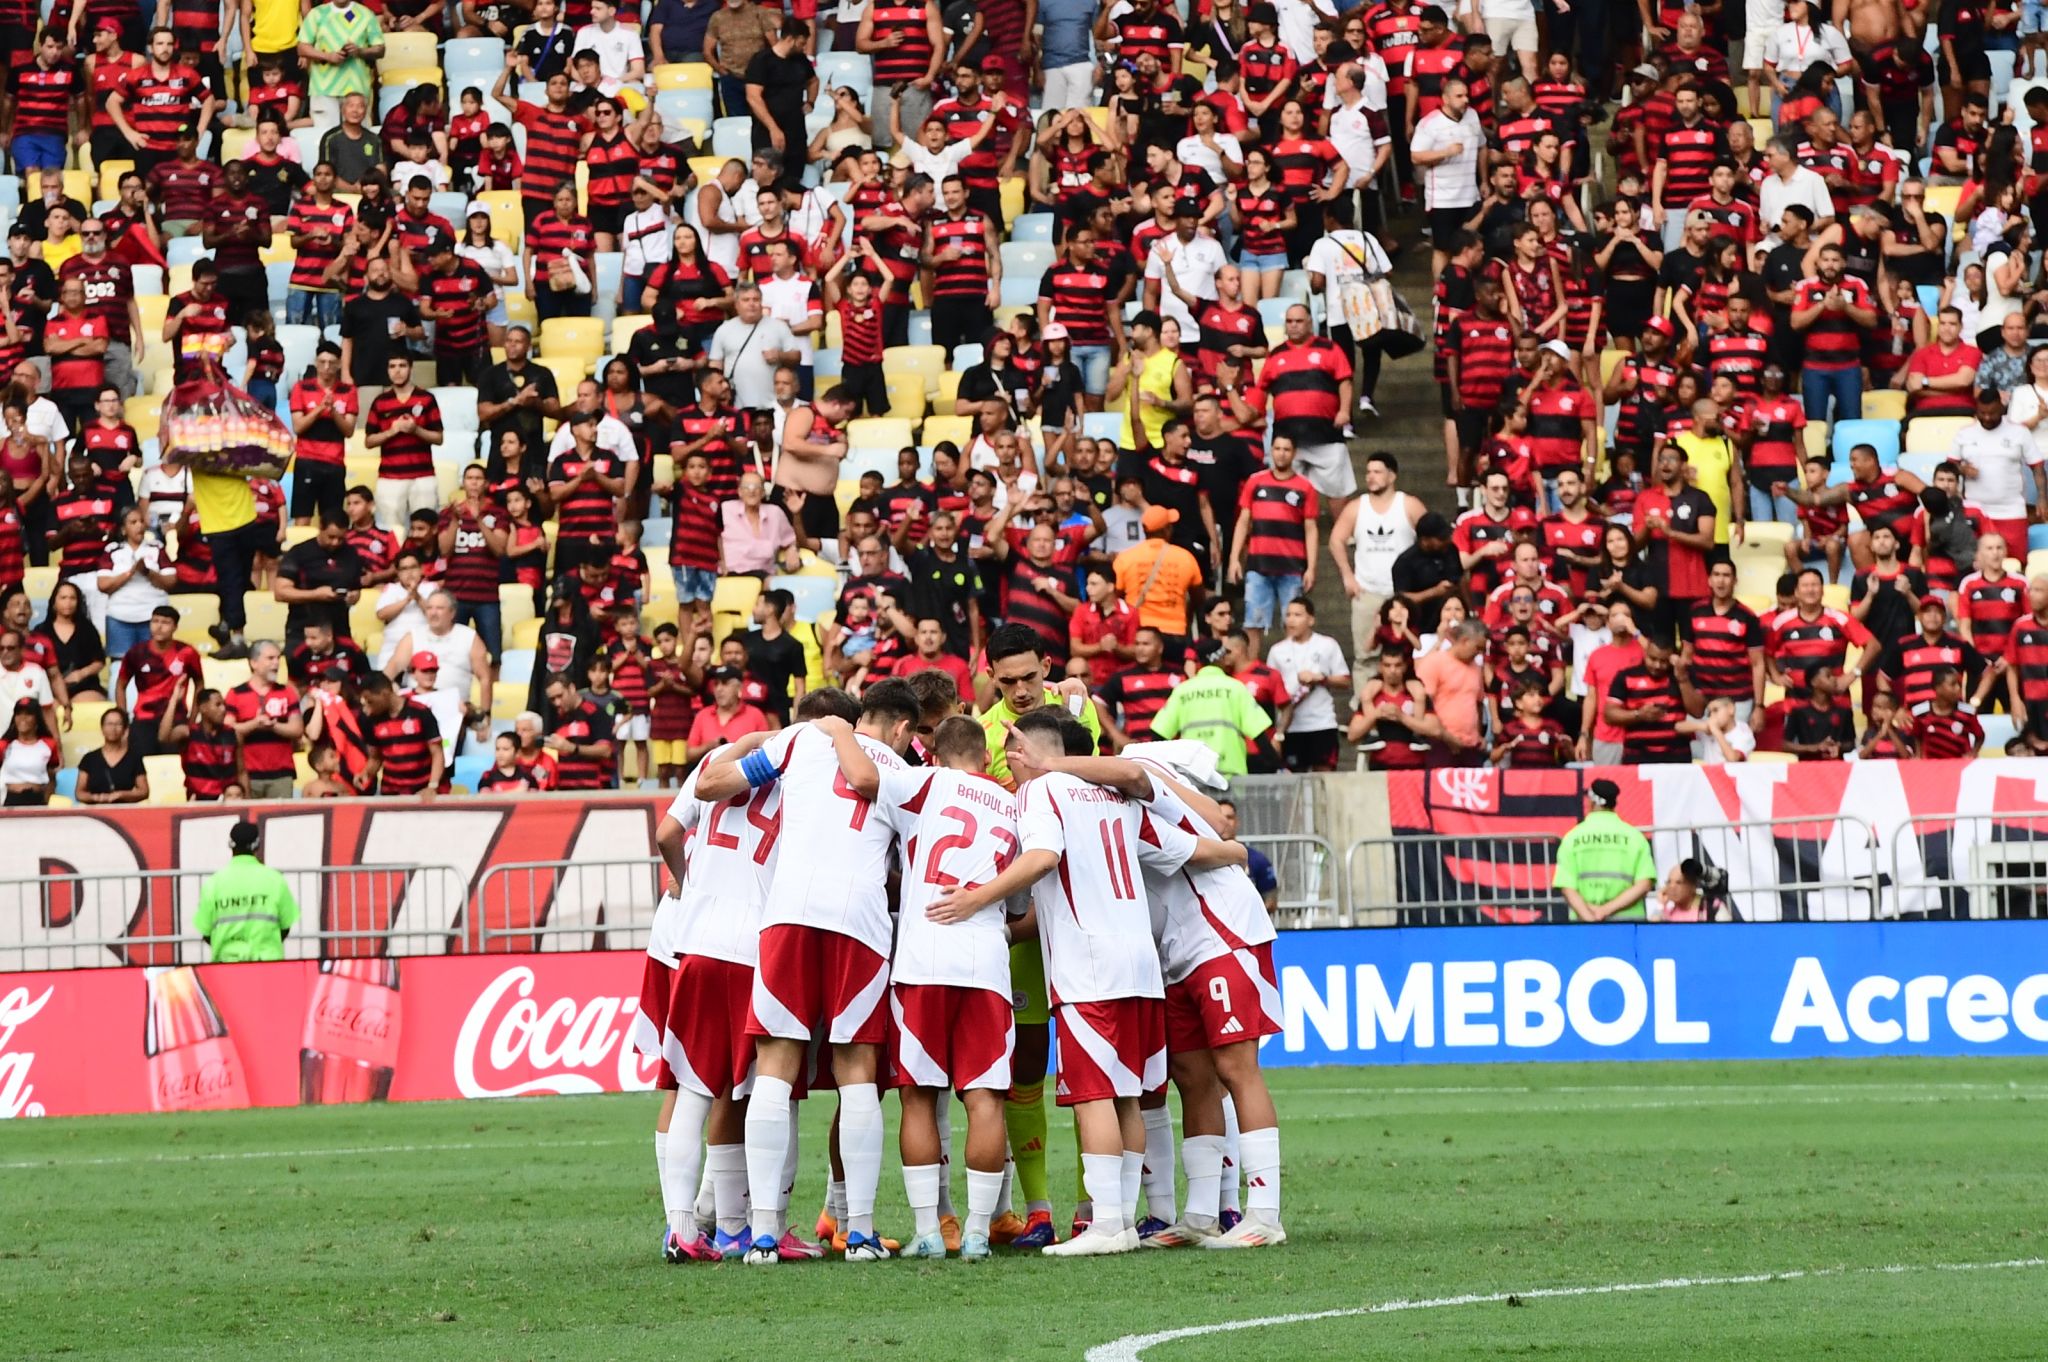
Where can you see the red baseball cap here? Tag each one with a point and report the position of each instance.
(425, 662)
(1661, 324)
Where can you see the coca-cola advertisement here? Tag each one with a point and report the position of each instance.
(305, 1032)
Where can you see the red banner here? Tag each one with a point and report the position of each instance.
(100, 1041)
(422, 878)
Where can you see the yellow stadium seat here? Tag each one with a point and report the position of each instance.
(405, 51)
(927, 360)
(1012, 192)
(279, 251)
(844, 493)
(1816, 438)
(525, 634)
(266, 615)
(1942, 198)
(1934, 434)
(949, 389)
(706, 168)
(1765, 131)
(77, 185)
(1835, 595)
(85, 729)
(627, 327)
(110, 177)
(581, 337)
(958, 429)
(166, 772)
(145, 414)
(508, 218)
(155, 308)
(835, 335)
(226, 675)
(735, 595)
(569, 370)
(1771, 757)
(884, 432)
(1099, 116)
(693, 75)
(177, 280)
(235, 143)
(1884, 404)
(906, 393)
(658, 612)
(519, 309)
(515, 604)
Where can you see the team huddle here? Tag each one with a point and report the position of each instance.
(1033, 881)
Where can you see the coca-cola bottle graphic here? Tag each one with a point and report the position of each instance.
(350, 1045)
(192, 1061)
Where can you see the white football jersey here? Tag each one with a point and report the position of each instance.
(1094, 918)
(1202, 915)
(664, 939)
(958, 830)
(836, 874)
(732, 857)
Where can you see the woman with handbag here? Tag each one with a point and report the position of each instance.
(1349, 268)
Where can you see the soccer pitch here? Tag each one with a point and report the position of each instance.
(1888, 1209)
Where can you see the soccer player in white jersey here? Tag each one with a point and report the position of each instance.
(1102, 968)
(722, 855)
(825, 938)
(949, 981)
(657, 990)
(1222, 996)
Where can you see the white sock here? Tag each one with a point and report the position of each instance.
(707, 1191)
(1132, 1181)
(983, 1191)
(860, 1150)
(1262, 1172)
(920, 1189)
(1103, 1176)
(671, 1208)
(835, 1197)
(1232, 1166)
(684, 1163)
(1202, 1156)
(1158, 1165)
(726, 1166)
(946, 1156)
(789, 1162)
(770, 1133)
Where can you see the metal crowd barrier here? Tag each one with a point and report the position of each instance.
(1311, 880)
(145, 917)
(591, 905)
(1439, 880)
(1971, 865)
(1815, 869)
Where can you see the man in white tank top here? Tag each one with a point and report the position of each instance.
(716, 216)
(1370, 533)
(460, 652)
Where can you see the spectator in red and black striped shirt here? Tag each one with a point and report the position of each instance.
(1646, 702)
(205, 740)
(403, 426)
(404, 740)
(1131, 698)
(1943, 726)
(579, 736)
(454, 295)
(1723, 644)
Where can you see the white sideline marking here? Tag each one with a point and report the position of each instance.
(1596, 1088)
(361, 1151)
(1131, 1347)
(1901, 1099)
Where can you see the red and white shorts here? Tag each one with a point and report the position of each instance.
(951, 1037)
(1113, 1048)
(657, 987)
(811, 981)
(707, 1043)
(1226, 1000)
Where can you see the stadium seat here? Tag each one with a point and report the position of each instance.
(166, 772)
(1029, 258)
(1103, 425)
(300, 343)
(846, 68)
(1019, 290)
(965, 357)
(949, 381)
(927, 360)
(683, 76)
(145, 413)
(906, 393)
(877, 459)
(889, 433)
(680, 106)
(408, 51)
(1882, 436)
(572, 337)
(1032, 227)
(1273, 311)
(958, 429)
(733, 137)
(1929, 434)
(815, 596)
(920, 328)
(827, 362)
(84, 734)
(735, 595)
(1884, 404)
(2037, 538)
(1921, 466)
(485, 57)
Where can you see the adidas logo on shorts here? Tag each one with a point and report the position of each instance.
(1233, 1027)
(1061, 1090)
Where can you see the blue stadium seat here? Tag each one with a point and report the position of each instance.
(826, 363)
(845, 68)
(183, 250)
(1028, 258)
(67, 782)
(1881, 435)
(516, 666)
(1273, 311)
(920, 329)
(470, 767)
(815, 596)
(472, 61)
(277, 278)
(676, 105)
(654, 534)
(2037, 537)
(1032, 227)
(299, 343)
(965, 357)
(1103, 425)
(733, 137)
(1020, 290)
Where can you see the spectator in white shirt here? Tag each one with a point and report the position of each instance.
(1180, 275)
(1789, 183)
(931, 154)
(620, 55)
(1718, 736)
(1446, 149)
(1312, 667)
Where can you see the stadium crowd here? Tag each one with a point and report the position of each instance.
(1740, 394)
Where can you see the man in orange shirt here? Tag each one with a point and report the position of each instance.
(1161, 579)
(1456, 684)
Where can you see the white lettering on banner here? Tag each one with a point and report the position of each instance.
(1393, 1018)
(603, 889)
(562, 1035)
(1537, 1006)
(1978, 1008)
(460, 838)
(16, 1094)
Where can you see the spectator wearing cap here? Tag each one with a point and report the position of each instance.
(1604, 868)
(1160, 577)
(456, 296)
(339, 41)
(1214, 708)
(727, 718)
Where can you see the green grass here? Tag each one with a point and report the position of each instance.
(527, 1228)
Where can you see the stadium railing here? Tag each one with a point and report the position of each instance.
(1812, 869)
(592, 905)
(1976, 865)
(1311, 879)
(1446, 880)
(145, 917)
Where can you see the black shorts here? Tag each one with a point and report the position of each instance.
(819, 517)
(865, 383)
(609, 218)
(1473, 428)
(317, 489)
(1445, 223)
(1976, 65)
(1315, 751)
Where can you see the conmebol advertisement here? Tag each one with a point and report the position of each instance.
(79, 1042)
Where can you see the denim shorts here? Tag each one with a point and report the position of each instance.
(1093, 362)
(695, 584)
(1265, 597)
(1262, 263)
